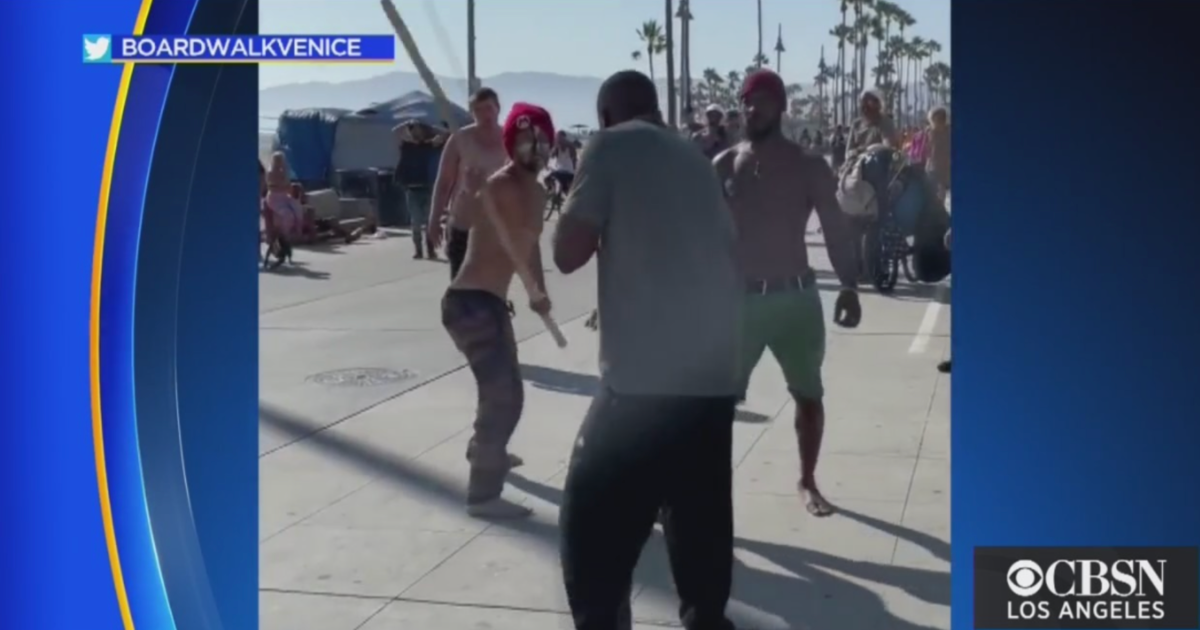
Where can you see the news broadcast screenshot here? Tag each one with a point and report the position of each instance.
(599, 315)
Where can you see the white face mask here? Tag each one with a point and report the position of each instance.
(533, 148)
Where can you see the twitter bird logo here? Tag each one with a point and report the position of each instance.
(97, 49)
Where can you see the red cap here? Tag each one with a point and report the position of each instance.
(525, 116)
(764, 81)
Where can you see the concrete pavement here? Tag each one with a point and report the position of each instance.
(365, 415)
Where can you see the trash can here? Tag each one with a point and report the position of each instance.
(355, 184)
(390, 199)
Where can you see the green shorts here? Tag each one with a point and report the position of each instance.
(792, 325)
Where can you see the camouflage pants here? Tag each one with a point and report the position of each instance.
(481, 328)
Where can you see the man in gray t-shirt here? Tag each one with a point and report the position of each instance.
(659, 433)
(668, 290)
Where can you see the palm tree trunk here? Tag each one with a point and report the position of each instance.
(912, 89)
(650, 59)
(672, 90)
(759, 58)
(685, 42)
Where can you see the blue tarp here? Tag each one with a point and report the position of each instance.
(306, 137)
(415, 106)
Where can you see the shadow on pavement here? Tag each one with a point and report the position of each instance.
(775, 593)
(298, 269)
(936, 546)
(750, 417)
(813, 597)
(562, 381)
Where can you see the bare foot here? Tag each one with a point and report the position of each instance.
(815, 502)
(498, 508)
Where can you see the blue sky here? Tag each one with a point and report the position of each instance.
(575, 37)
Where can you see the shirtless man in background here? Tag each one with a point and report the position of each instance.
(476, 147)
(474, 309)
(773, 186)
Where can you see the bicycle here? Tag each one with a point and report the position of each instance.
(555, 195)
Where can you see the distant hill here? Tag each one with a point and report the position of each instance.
(570, 99)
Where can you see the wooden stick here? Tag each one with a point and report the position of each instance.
(489, 208)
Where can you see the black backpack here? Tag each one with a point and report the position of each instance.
(931, 258)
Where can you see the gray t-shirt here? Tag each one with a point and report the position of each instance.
(669, 289)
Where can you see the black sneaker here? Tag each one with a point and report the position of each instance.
(944, 367)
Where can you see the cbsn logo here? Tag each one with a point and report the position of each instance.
(1097, 590)
(1082, 588)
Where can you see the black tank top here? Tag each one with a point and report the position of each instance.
(415, 168)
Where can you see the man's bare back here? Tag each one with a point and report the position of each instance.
(518, 199)
(773, 190)
(472, 148)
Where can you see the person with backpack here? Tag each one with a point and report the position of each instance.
(873, 126)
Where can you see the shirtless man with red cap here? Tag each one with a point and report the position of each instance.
(773, 186)
(474, 309)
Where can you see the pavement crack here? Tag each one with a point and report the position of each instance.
(292, 591)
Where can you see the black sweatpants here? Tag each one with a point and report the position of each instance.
(635, 456)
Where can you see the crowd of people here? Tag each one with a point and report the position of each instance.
(703, 267)
(928, 147)
(682, 321)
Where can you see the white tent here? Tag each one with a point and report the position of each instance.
(364, 139)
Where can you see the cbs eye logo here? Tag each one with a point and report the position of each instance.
(1025, 578)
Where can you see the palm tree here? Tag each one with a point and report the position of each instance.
(861, 34)
(932, 47)
(940, 73)
(654, 42)
(672, 89)
(760, 55)
(841, 33)
(685, 52)
(904, 20)
(733, 83)
(824, 74)
(895, 56)
(779, 50)
(888, 13)
(713, 85)
(916, 50)
(875, 31)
